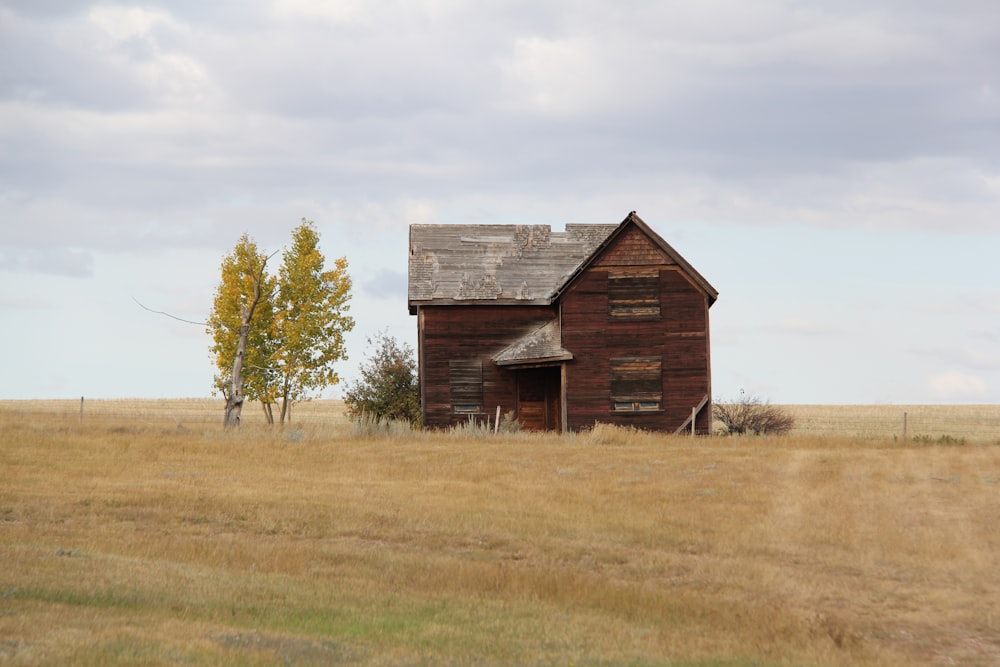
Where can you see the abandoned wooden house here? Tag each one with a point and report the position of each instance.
(600, 323)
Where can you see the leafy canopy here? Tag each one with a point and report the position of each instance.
(297, 331)
(236, 292)
(388, 388)
(312, 317)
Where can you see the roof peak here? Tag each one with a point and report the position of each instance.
(512, 263)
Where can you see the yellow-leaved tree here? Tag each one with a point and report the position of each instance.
(278, 337)
(242, 326)
(312, 313)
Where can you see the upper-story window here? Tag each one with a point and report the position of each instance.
(634, 294)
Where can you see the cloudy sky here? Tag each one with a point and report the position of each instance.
(831, 166)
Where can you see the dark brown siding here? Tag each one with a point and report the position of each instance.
(678, 337)
(457, 333)
(633, 248)
(673, 335)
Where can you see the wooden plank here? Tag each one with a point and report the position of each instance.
(662, 313)
(594, 338)
(471, 333)
(694, 415)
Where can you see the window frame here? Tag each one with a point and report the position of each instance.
(636, 384)
(465, 383)
(634, 294)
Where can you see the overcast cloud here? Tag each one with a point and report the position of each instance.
(830, 166)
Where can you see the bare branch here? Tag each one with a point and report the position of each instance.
(173, 317)
(749, 415)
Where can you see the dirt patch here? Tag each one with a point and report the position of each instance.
(289, 650)
(10, 647)
(944, 644)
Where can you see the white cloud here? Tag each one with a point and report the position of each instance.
(132, 41)
(954, 385)
(55, 261)
(332, 11)
(802, 327)
(975, 355)
(153, 134)
(120, 24)
(746, 36)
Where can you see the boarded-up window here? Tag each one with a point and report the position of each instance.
(466, 385)
(634, 294)
(636, 384)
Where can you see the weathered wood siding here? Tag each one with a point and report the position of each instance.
(450, 333)
(637, 302)
(679, 336)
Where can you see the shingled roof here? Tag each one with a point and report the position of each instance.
(496, 263)
(509, 264)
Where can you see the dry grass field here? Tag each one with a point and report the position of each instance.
(973, 423)
(144, 534)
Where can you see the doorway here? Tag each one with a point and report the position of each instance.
(539, 406)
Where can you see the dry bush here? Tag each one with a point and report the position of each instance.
(750, 415)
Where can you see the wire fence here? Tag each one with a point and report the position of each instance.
(946, 424)
(929, 423)
(179, 412)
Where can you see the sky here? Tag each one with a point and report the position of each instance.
(832, 167)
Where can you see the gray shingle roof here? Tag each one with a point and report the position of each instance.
(496, 263)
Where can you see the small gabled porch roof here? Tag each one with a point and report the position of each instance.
(541, 345)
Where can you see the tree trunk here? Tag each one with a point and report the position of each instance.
(268, 412)
(286, 405)
(234, 402)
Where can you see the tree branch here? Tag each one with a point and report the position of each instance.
(173, 317)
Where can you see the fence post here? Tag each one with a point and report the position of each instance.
(904, 425)
(81, 409)
(496, 422)
(694, 416)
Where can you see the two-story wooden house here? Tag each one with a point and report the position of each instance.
(600, 323)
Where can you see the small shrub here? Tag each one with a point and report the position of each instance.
(388, 387)
(508, 424)
(602, 433)
(940, 440)
(370, 426)
(472, 427)
(749, 415)
(477, 428)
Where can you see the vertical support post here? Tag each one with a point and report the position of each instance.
(904, 425)
(81, 409)
(694, 416)
(496, 423)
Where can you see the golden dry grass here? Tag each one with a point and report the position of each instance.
(973, 423)
(151, 539)
(181, 412)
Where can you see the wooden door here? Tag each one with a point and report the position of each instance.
(538, 404)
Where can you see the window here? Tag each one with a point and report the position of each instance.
(636, 384)
(634, 294)
(466, 376)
